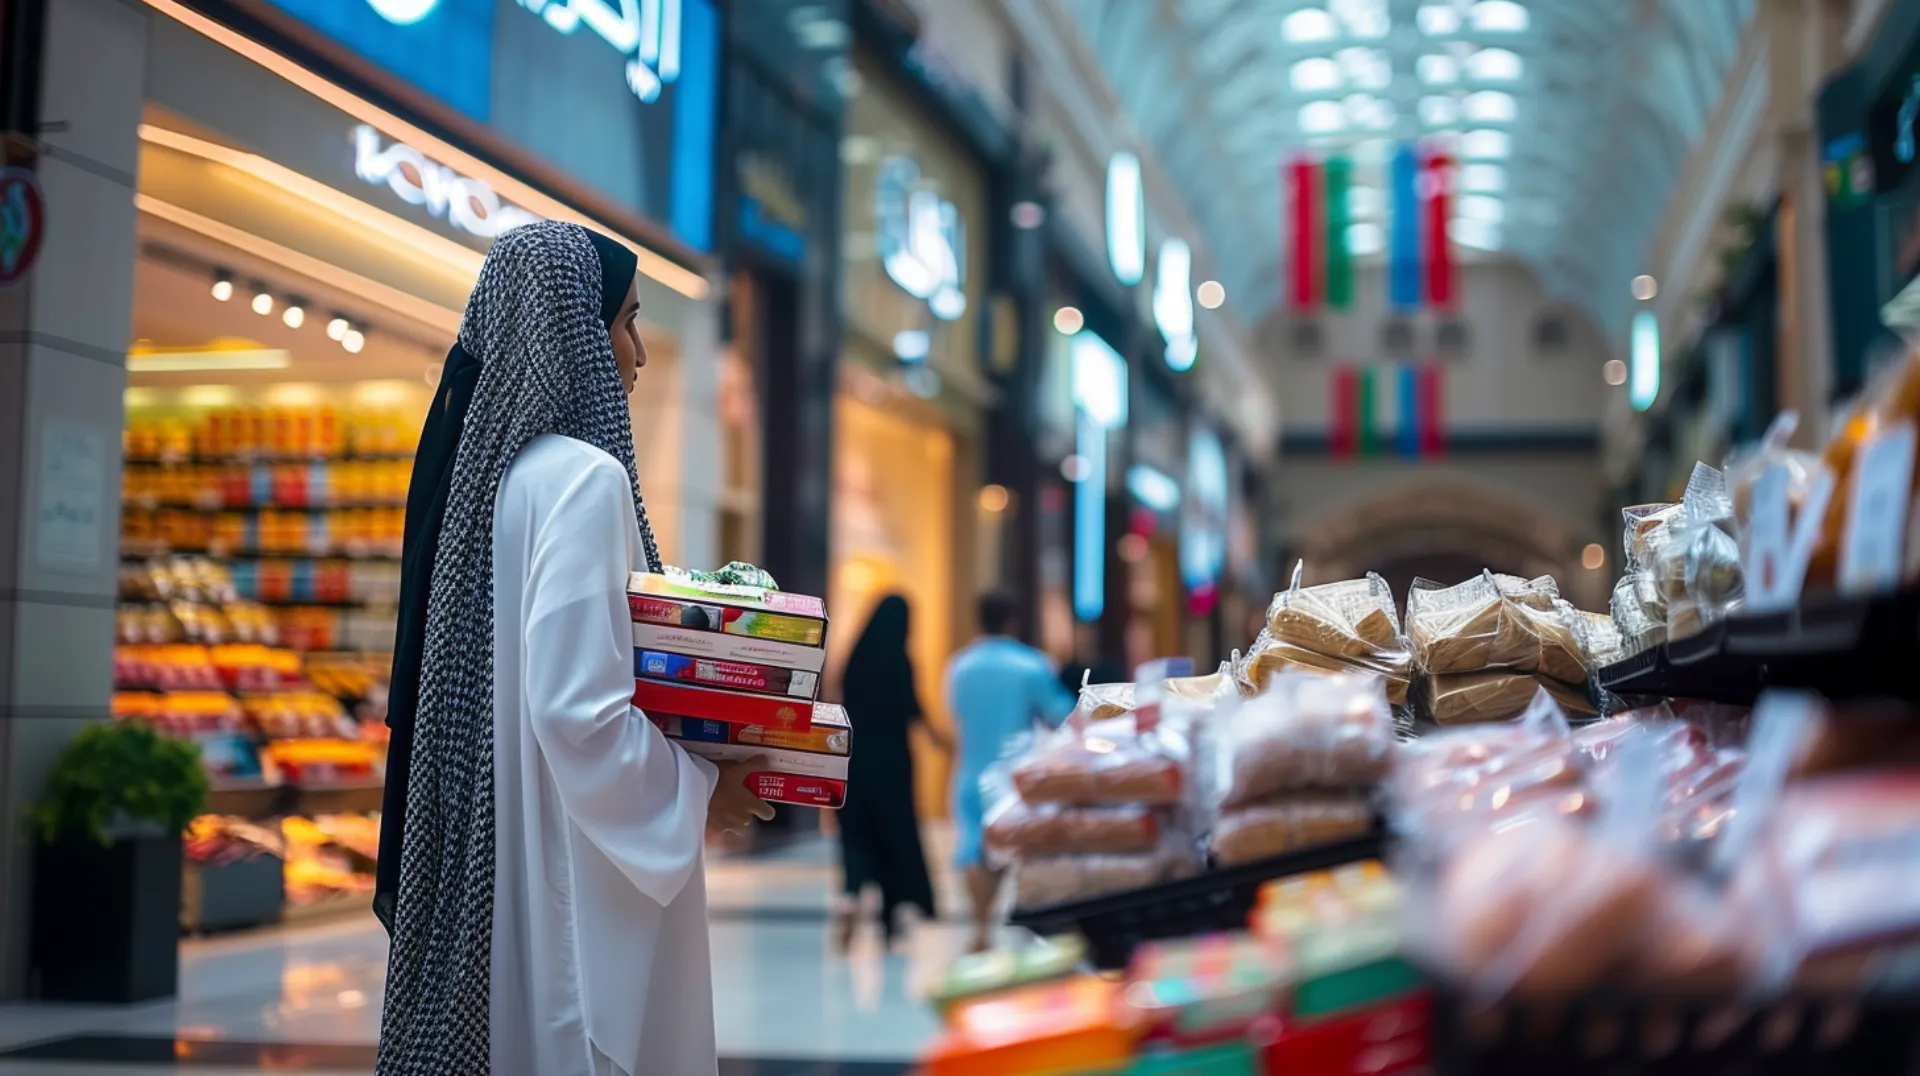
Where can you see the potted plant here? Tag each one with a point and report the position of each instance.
(106, 909)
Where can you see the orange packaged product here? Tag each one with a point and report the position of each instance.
(1072, 1026)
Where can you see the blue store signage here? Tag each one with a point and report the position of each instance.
(621, 95)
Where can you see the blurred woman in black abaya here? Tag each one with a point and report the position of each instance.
(879, 828)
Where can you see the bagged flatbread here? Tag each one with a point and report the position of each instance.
(1270, 656)
(1354, 618)
(1471, 698)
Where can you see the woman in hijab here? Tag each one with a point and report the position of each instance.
(879, 828)
(540, 850)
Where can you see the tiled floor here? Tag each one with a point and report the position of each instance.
(308, 999)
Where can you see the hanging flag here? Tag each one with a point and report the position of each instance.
(1403, 251)
(1343, 411)
(1435, 181)
(1303, 198)
(1338, 172)
(1367, 399)
(1432, 437)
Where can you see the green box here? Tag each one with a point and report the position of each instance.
(1232, 1059)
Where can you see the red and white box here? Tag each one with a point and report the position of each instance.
(800, 777)
(718, 646)
(732, 707)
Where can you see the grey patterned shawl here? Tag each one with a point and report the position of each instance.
(546, 366)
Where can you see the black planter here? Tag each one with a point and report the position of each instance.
(106, 920)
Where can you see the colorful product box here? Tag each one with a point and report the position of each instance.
(1199, 991)
(732, 707)
(1070, 1026)
(719, 646)
(809, 764)
(759, 614)
(830, 734)
(728, 675)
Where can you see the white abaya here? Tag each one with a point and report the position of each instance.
(599, 907)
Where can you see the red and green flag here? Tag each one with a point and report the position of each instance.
(1320, 267)
(1391, 407)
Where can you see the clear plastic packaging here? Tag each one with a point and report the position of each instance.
(1269, 656)
(1350, 619)
(1465, 779)
(1488, 623)
(1639, 630)
(1262, 830)
(1022, 831)
(1606, 643)
(1104, 762)
(1057, 879)
(1100, 702)
(1497, 695)
(1307, 731)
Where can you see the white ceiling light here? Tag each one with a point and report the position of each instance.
(1438, 20)
(1477, 234)
(1316, 74)
(1322, 117)
(1126, 219)
(1497, 16)
(1365, 68)
(1364, 202)
(1494, 65)
(1369, 112)
(1483, 178)
(1482, 207)
(1309, 24)
(1489, 106)
(1485, 145)
(1437, 69)
(1365, 238)
(1439, 111)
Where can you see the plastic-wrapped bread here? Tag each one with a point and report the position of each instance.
(1307, 731)
(1497, 695)
(1484, 624)
(1021, 830)
(1354, 618)
(1282, 825)
(1048, 880)
(1269, 656)
(1106, 762)
(1098, 702)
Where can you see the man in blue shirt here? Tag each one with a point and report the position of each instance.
(997, 688)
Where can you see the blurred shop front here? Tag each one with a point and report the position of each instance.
(1869, 117)
(313, 192)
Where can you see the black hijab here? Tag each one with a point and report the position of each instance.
(426, 509)
(878, 683)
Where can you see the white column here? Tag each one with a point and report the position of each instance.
(63, 342)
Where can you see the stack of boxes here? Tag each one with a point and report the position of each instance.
(732, 673)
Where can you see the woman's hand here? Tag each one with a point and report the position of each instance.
(732, 806)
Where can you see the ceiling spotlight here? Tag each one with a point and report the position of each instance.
(1645, 287)
(1211, 294)
(262, 300)
(353, 341)
(337, 328)
(295, 315)
(223, 286)
(1068, 320)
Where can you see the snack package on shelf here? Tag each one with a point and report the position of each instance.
(1340, 932)
(1269, 656)
(1071, 1026)
(1047, 880)
(1461, 780)
(1489, 622)
(1287, 823)
(1307, 731)
(1697, 572)
(1497, 695)
(976, 975)
(1889, 400)
(1606, 643)
(1202, 991)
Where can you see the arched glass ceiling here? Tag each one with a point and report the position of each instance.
(1572, 118)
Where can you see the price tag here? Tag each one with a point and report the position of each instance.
(1779, 542)
(1872, 547)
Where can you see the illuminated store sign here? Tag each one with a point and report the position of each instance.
(1203, 515)
(922, 242)
(466, 203)
(1100, 399)
(1643, 361)
(1126, 219)
(646, 32)
(1173, 303)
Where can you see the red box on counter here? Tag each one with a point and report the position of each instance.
(1389, 1039)
(732, 707)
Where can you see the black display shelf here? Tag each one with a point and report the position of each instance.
(1216, 900)
(1841, 647)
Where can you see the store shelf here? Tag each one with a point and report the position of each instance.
(254, 554)
(359, 797)
(1215, 900)
(255, 508)
(246, 799)
(198, 460)
(1842, 647)
(258, 800)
